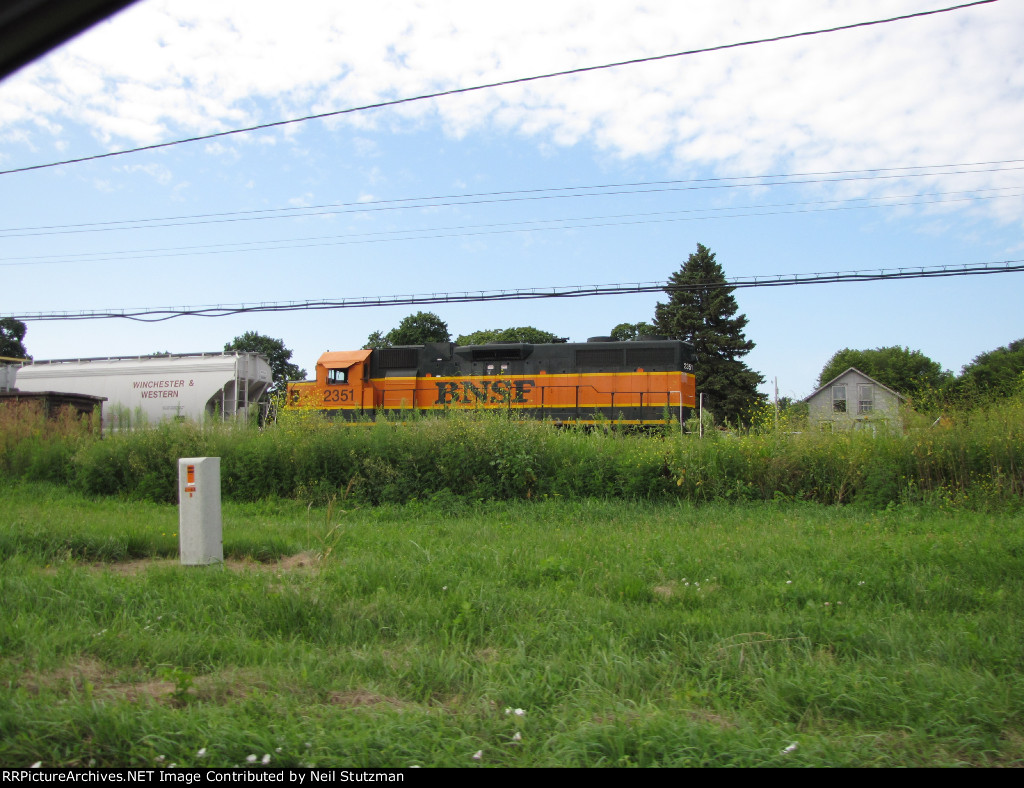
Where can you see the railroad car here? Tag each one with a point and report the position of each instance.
(642, 382)
(182, 385)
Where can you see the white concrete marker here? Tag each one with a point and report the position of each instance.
(199, 521)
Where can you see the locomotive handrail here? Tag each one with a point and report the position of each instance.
(611, 394)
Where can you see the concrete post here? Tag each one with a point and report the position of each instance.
(199, 519)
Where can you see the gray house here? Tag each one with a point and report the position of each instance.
(853, 400)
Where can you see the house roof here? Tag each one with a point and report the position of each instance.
(847, 370)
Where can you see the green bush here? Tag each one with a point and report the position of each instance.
(975, 458)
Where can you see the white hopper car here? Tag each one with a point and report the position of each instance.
(150, 389)
(8, 373)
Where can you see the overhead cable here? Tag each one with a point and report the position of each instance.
(457, 200)
(502, 83)
(524, 226)
(159, 314)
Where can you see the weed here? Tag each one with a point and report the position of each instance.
(183, 682)
(331, 537)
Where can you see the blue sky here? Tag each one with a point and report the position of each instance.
(924, 93)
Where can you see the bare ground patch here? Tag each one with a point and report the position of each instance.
(92, 678)
(306, 561)
(356, 698)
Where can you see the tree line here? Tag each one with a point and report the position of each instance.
(993, 374)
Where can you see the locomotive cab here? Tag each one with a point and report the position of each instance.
(340, 384)
(341, 378)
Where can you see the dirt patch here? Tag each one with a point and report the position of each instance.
(71, 677)
(147, 690)
(92, 678)
(307, 561)
(138, 566)
(356, 698)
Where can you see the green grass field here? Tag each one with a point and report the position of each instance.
(627, 633)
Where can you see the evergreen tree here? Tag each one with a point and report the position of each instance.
(701, 310)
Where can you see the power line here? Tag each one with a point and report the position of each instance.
(503, 83)
(525, 226)
(156, 315)
(511, 196)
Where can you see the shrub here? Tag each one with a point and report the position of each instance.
(975, 458)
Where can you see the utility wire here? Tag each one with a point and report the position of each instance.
(156, 315)
(525, 226)
(503, 83)
(485, 198)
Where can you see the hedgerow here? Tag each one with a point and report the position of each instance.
(975, 458)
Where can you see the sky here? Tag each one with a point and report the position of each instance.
(883, 147)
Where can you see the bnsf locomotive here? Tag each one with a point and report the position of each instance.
(642, 382)
(638, 382)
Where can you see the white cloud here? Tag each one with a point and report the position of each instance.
(178, 192)
(157, 172)
(947, 88)
(219, 148)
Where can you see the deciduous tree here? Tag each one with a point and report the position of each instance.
(277, 354)
(527, 334)
(12, 332)
(417, 329)
(998, 372)
(627, 331)
(701, 310)
(908, 372)
(374, 341)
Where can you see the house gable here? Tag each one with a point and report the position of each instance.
(852, 399)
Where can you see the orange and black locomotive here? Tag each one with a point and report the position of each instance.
(642, 382)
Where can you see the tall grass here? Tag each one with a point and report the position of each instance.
(37, 448)
(975, 460)
(629, 633)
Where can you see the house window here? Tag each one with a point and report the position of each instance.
(865, 398)
(839, 399)
(336, 376)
